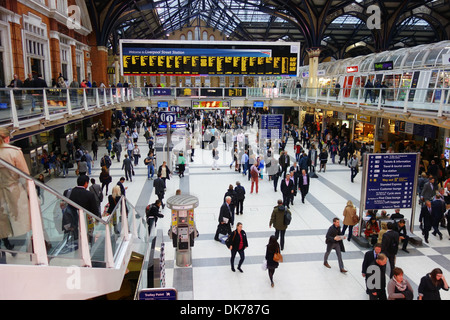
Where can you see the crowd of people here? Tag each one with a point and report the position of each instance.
(258, 160)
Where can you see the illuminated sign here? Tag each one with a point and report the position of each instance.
(352, 69)
(210, 104)
(381, 66)
(193, 58)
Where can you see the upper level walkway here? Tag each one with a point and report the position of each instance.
(24, 109)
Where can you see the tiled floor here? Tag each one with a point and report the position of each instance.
(302, 275)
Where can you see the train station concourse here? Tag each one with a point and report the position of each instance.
(233, 153)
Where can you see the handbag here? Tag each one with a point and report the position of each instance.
(277, 257)
(264, 265)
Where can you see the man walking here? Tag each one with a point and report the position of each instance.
(159, 186)
(240, 197)
(333, 239)
(389, 246)
(304, 184)
(287, 189)
(225, 219)
(277, 221)
(376, 278)
(128, 166)
(353, 164)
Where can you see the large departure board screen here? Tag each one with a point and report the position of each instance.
(202, 58)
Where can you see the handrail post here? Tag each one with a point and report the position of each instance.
(83, 243)
(124, 230)
(68, 102)
(405, 104)
(15, 117)
(39, 248)
(109, 257)
(105, 100)
(44, 100)
(441, 103)
(85, 100)
(97, 98)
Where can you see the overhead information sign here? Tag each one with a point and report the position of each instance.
(390, 181)
(201, 58)
(271, 126)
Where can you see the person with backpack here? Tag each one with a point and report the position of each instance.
(278, 221)
(105, 161)
(152, 213)
(149, 161)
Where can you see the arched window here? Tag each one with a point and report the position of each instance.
(189, 35)
(182, 37)
(205, 36)
(212, 38)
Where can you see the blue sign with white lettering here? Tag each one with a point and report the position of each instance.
(167, 117)
(158, 294)
(391, 178)
(162, 92)
(271, 126)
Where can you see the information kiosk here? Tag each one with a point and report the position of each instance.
(183, 230)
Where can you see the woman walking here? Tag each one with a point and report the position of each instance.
(237, 245)
(430, 285)
(398, 287)
(272, 248)
(350, 219)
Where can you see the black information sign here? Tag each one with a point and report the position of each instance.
(178, 58)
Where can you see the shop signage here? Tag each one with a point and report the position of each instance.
(111, 70)
(381, 66)
(360, 117)
(258, 104)
(352, 69)
(162, 92)
(391, 178)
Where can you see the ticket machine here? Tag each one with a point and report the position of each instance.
(183, 230)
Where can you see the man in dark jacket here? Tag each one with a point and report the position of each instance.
(128, 166)
(83, 198)
(370, 257)
(333, 239)
(389, 245)
(287, 189)
(152, 214)
(303, 182)
(376, 278)
(225, 219)
(240, 197)
(437, 213)
(158, 185)
(425, 219)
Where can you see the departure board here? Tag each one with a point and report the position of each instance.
(201, 58)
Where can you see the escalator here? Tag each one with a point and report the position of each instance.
(45, 261)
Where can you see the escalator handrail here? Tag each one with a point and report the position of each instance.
(51, 190)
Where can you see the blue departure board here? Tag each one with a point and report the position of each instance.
(391, 178)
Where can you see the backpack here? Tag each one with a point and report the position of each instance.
(287, 217)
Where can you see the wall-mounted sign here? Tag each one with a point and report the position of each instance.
(387, 65)
(352, 69)
(360, 117)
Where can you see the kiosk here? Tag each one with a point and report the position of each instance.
(183, 230)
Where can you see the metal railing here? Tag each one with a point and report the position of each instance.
(18, 106)
(49, 229)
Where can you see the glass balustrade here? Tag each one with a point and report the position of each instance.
(18, 105)
(38, 225)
